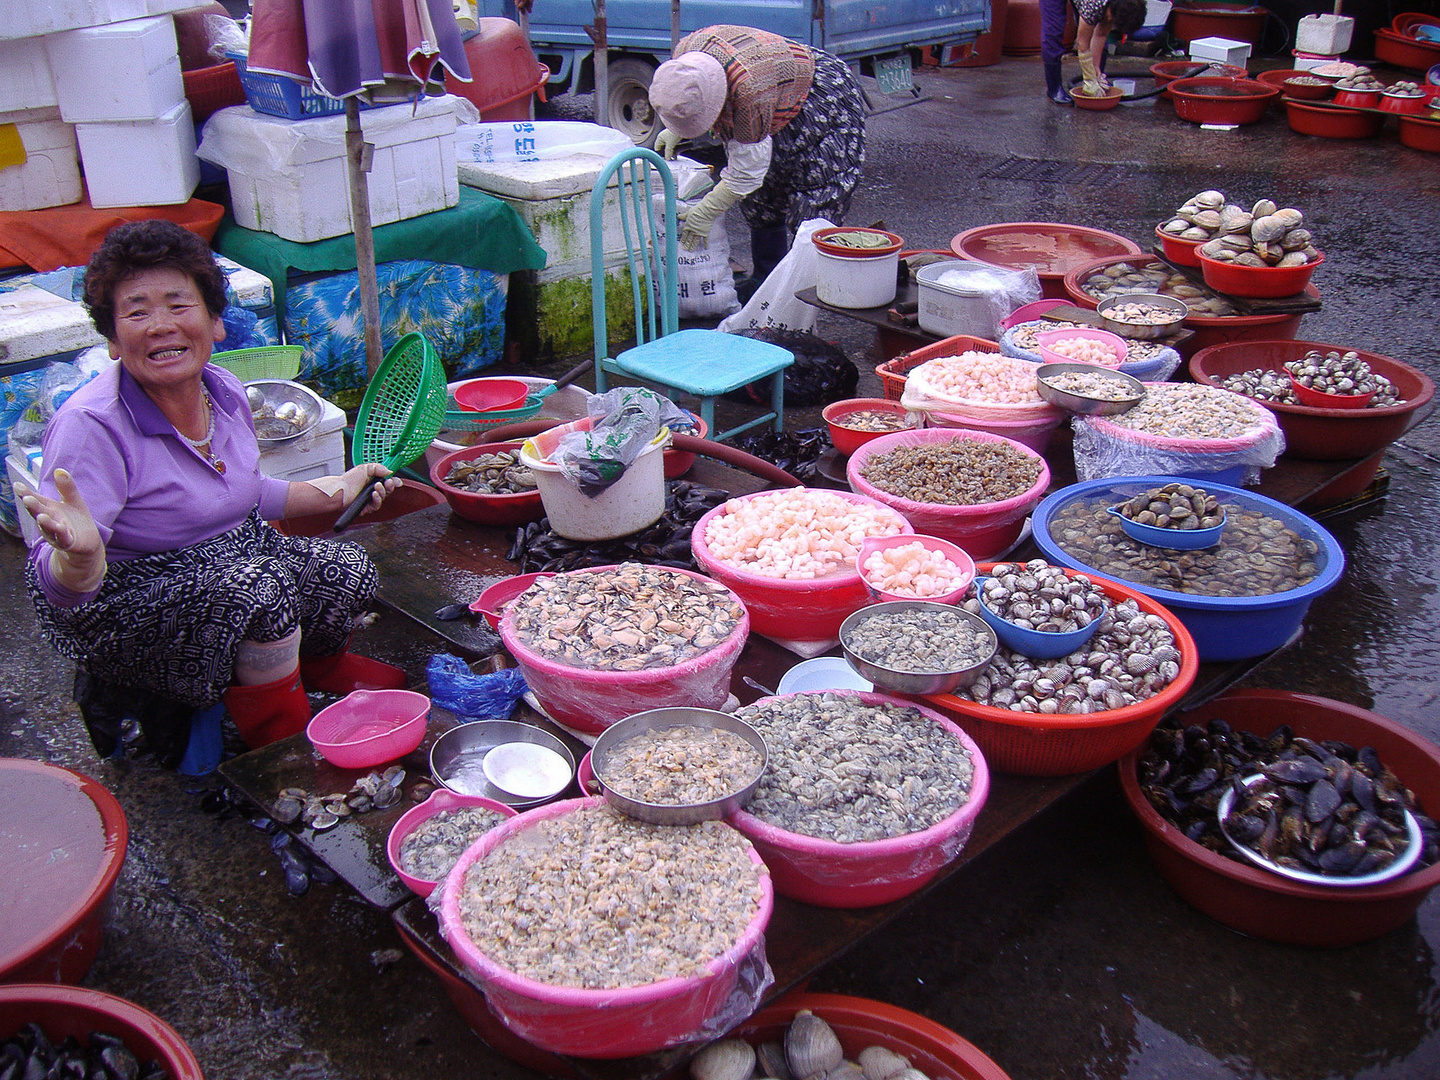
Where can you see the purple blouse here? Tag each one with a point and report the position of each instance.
(147, 489)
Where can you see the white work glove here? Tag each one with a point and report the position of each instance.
(1094, 84)
(700, 219)
(667, 143)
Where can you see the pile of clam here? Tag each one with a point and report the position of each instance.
(1362, 81)
(500, 473)
(810, 1050)
(1174, 506)
(1264, 235)
(375, 790)
(1331, 372)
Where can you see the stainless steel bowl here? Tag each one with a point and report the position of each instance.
(457, 759)
(663, 720)
(912, 682)
(280, 397)
(1143, 331)
(1079, 403)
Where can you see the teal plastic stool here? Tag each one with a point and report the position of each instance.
(708, 364)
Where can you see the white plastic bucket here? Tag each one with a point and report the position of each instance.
(632, 503)
(851, 282)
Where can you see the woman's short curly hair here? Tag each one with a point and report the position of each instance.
(1126, 16)
(138, 246)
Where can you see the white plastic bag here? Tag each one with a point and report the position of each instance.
(706, 282)
(774, 304)
(536, 140)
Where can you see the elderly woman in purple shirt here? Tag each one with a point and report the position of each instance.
(155, 568)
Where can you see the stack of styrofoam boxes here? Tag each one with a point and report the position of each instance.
(50, 174)
(38, 329)
(289, 177)
(120, 85)
(1220, 50)
(552, 197)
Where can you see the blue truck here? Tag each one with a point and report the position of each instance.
(877, 37)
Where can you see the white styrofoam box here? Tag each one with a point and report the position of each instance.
(30, 18)
(319, 452)
(140, 162)
(25, 81)
(289, 177)
(20, 472)
(1324, 35)
(1157, 12)
(35, 324)
(1221, 50)
(123, 71)
(50, 174)
(552, 197)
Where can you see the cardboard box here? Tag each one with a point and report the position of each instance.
(124, 71)
(1221, 50)
(50, 175)
(140, 162)
(289, 177)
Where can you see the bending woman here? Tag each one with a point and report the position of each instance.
(792, 121)
(155, 568)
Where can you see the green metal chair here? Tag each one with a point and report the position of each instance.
(704, 364)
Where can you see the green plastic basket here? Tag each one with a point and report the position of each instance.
(265, 362)
(404, 406)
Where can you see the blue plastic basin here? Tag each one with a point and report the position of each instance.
(1224, 627)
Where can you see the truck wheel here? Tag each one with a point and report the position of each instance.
(630, 112)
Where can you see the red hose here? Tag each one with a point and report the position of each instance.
(730, 455)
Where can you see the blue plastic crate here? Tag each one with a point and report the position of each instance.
(279, 96)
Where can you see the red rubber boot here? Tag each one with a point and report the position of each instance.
(269, 711)
(346, 672)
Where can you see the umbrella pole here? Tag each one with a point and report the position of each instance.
(358, 157)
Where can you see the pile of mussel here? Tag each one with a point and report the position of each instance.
(810, 1050)
(1324, 806)
(30, 1053)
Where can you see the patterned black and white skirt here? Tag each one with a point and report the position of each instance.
(170, 622)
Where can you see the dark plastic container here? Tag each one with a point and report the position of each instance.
(1224, 627)
(1266, 905)
(1322, 434)
(505, 72)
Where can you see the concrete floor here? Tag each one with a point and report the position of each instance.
(1062, 955)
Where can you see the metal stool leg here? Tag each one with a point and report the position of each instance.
(777, 398)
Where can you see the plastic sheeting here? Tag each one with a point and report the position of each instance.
(1155, 368)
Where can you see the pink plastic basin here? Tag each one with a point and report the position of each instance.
(863, 874)
(440, 800)
(64, 836)
(491, 603)
(957, 556)
(1034, 433)
(790, 609)
(369, 727)
(1047, 339)
(983, 530)
(589, 701)
(584, 1023)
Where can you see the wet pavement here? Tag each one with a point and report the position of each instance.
(1062, 954)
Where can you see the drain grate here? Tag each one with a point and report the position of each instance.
(1050, 172)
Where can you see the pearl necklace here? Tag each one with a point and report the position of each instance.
(201, 445)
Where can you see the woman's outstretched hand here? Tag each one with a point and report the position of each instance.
(77, 553)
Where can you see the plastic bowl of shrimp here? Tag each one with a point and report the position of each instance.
(1081, 346)
(915, 568)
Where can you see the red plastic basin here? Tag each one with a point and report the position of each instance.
(1266, 905)
(786, 608)
(1051, 247)
(1322, 434)
(613, 1023)
(61, 849)
(500, 511)
(1403, 51)
(1209, 329)
(1036, 744)
(863, 874)
(1243, 22)
(589, 701)
(1420, 133)
(1167, 71)
(1257, 281)
(849, 439)
(1332, 123)
(64, 1011)
(1229, 101)
(1178, 251)
(860, 1022)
